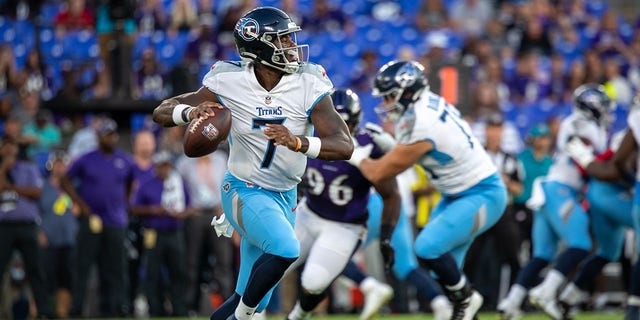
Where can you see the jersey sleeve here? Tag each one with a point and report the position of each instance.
(320, 84)
(633, 121)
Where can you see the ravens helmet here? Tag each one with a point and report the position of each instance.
(347, 104)
(262, 34)
(591, 101)
(400, 84)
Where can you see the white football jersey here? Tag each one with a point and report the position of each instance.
(458, 161)
(633, 121)
(564, 169)
(253, 158)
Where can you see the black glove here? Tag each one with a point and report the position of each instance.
(386, 249)
(387, 254)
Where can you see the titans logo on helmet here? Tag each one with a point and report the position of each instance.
(407, 75)
(248, 29)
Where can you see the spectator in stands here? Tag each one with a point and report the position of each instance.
(20, 187)
(76, 16)
(485, 99)
(291, 8)
(326, 18)
(203, 49)
(576, 77)
(171, 140)
(470, 16)
(162, 201)
(617, 86)
(364, 72)
(495, 37)
(151, 16)
(530, 83)
(8, 70)
(143, 148)
(103, 180)
(207, 11)
(432, 15)
(633, 60)
(58, 234)
(28, 106)
(13, 131)
(492, 71)
(34, 76)
(85, 139)
(557, 83)
(230, 15)
(535, 160)
(609, 42)
(149, 82)
(567, 41)
(184, 15)
(593, 63)
(535, 38)
(43, 135)
(203, 177)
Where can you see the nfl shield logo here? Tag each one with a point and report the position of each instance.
(210, 131)
(267, 100)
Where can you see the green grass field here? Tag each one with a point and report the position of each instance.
(423, 316)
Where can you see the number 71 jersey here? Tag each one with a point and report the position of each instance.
(458, 161)
(253, 158)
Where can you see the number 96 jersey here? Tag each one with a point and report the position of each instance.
(457, 161)
(336, 190)
(253, 158)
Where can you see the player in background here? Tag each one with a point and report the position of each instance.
(275, 97)
(610, 204)
(431, 133)
(612, 170)
(560, 216)
(332, 215)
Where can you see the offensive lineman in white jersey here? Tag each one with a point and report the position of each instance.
(560, 216)
(431, 133)
(274, 97)
(612, 170)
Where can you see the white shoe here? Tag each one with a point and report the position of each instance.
(546, 301)
(376, 295)
(260, 315)
(467, 308)
(441, 308)
(509, 310)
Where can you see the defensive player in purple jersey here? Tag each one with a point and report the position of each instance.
(331, 218)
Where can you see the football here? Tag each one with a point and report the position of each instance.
(204, 134)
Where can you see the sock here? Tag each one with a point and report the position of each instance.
(227, 308)
(446, 269)
(588, 272)
(244, 312)
(309, 301)
(552, 282)
(367, 284)
(528, 275)
(633, 301)
(459, 291)
(517, 293)
(568, 260)
(634, 290)
(424, 283)
(297, 313)
(354, 273)
(265, 274)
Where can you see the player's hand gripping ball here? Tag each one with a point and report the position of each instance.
(205, 133)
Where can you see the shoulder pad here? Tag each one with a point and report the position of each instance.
(314, 69)
(226, 66)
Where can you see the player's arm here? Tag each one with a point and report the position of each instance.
(335, 141)
(615, 168)
(397, 160)
(181, 109)
(391, 202)
(332, 143)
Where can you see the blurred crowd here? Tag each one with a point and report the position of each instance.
(523, 61)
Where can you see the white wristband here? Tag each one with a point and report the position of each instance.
(180, 114)
(314, 147)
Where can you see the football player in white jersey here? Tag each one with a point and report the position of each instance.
(431, 133)
(612, 170)
(276, 99)
(560, 216)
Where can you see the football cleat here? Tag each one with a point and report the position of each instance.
(545, 301)
(376, 295)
